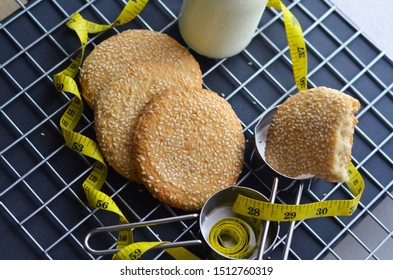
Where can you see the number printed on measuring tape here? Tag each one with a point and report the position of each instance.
(289, 215)
(321, 211)
(253, 211)
(102, 204)
(77, 147)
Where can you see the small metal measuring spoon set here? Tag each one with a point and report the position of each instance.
(219, 206)
(260, 136)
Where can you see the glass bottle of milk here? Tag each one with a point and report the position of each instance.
(219, 28)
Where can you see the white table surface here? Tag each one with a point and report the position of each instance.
(374, 18)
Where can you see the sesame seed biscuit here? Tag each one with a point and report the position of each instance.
(117, 114)
(189, 144)
(118, 53)
(312, 133)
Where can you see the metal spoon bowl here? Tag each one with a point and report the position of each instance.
(260, 134)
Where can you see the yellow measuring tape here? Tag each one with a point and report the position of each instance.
(232, 237)
(296, 43)
(64, 82)
(290, 212)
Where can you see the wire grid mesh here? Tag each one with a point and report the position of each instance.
(43, 209)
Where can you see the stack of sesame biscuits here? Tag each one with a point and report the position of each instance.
(155, 124)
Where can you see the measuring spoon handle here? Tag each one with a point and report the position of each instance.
(267, 223)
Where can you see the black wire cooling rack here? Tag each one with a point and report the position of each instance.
(43, 211)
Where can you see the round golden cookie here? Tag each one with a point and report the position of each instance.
(189, 144)
(118, 53)
(117, 114)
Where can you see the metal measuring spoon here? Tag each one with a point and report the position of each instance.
(216, 208)
(260, 134)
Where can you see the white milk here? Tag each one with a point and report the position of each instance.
(219, 28)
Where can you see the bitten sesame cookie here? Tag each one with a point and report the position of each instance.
(118, 53)
(117, 114)
(312, 133)
(189, 144)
